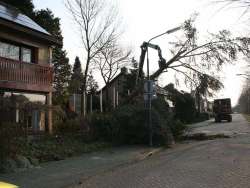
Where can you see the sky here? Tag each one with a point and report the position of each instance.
(143, 19)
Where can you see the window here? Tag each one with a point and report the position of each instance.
(26, 55)
(9, 51)
(26, 110)
(16, 52)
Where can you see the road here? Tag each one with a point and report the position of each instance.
(238, 126)
(205, 164)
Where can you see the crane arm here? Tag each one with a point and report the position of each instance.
(144, 47)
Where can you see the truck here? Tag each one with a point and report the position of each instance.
(222, 109)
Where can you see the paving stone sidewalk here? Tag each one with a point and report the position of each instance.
(74, 170)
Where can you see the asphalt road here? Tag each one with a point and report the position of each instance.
(206, 164)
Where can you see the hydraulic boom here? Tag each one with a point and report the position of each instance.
(161, 62)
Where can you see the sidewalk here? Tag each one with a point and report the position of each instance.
(71, 171)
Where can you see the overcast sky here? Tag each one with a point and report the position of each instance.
(143, 19)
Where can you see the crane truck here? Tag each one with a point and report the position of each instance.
(222, 110)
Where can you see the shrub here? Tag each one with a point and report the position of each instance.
(202, 117)
(100, 126)
(184, 104)
(10, 135)
(68, 126)
(205, 116)
(127, 125)
(185, 108)
(177, 128)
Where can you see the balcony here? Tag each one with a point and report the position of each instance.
(16, 75)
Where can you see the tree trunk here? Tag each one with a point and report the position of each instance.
(108, 105)
(84, 88)
(91, 105)
(101, 102)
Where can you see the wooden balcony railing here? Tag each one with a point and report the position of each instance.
(26, 76)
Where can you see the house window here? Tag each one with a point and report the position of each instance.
(26, 54)
(9, 51)
(24, 108)
(16, 52)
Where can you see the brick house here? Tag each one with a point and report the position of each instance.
(25, 67)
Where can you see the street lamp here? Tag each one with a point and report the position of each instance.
(157, 36)
(149, 101)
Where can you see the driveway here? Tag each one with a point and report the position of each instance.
(207, 164)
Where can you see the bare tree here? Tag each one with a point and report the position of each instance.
(110, 60)
(96, 20)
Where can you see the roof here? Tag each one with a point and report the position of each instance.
(13, 15)
(112, 81)
(161, 91)
(124, 71)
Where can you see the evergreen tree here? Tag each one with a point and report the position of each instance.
(48, 21)
(76, 78)
(130, 79)
(184, 104)
(24, 6)
(92, 85)
(62, 68)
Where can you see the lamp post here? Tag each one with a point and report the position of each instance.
(149, 85)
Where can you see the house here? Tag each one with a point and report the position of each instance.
(116, 90)
(109, 96)
(26, 73)
(112, 94)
